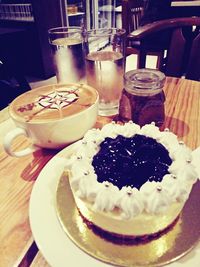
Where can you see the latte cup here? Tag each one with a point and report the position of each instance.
(52, 116)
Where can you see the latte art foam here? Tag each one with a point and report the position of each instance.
(52, 102)
(58, 99)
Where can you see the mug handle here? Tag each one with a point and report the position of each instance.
(8, 139)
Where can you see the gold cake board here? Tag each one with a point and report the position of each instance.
(167, 248)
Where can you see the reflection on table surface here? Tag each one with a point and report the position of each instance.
(18, 175)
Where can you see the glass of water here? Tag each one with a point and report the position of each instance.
(68, 53)
(105, 64)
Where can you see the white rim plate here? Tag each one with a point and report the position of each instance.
(52, 241)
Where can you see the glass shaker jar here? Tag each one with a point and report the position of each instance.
(143, 98)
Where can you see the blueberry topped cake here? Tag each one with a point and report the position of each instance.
(130, 180)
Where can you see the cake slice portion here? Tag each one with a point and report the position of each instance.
(131, 181)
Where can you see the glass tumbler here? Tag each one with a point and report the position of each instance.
(68, 53)
(105, 63)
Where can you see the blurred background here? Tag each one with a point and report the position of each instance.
(25, 54)
(24, 25)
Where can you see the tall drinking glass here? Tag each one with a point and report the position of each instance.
(68, 53)
(105, 63)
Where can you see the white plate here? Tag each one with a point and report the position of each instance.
(56, 247)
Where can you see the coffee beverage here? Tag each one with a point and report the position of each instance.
(52, 116)
(52, 102)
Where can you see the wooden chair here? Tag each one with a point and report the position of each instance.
(132, 12)
(132, 15)
(183, 53)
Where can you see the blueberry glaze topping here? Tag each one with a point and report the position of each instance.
(131, 161)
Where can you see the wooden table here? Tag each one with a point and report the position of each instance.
(18, 175)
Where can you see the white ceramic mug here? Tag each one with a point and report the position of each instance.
(52, 116)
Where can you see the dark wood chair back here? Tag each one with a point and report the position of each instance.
(132, 12)
(132, 15)
(183, 53)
